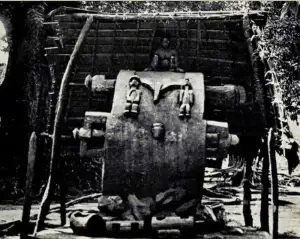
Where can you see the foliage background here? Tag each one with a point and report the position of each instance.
(281, 38)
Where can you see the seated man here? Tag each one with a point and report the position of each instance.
(165, 58)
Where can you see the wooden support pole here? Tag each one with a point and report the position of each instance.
(28, 187)
(274, 184)
(55, 152)
(264, 211)
(62, 191)
(247, 193)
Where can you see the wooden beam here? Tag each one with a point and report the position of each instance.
(61, 107)
(160, 16)
(28, 187)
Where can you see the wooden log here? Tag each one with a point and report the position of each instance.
(172, 222)
(212, 152)
(122, 228)
(87, 224)
(216, 127)
(226, 96)
(224, 139)
(212, 139)
(209, 79)
(28, 188)
(61, 106)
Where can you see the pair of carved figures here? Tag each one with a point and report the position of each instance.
(165, 59)
(185, 98)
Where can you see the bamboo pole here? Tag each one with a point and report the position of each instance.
(28, 187)
(65, 10)
(61, 106)
(166, 16)
(150, 16)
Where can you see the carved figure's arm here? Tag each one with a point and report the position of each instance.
(180, 96)
(175, 54)
(154, 62)
(191, 96)
(137, 97)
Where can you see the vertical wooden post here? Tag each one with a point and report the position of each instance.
(28, 187)
(62, 191)
(274, 184)
(264, 211)
(60, 111)
(247, 193)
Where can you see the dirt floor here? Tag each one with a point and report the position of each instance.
(289, 211)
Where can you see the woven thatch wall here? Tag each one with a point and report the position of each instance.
(215, 46)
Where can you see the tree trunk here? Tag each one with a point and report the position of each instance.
(24, 87)
(24, 92)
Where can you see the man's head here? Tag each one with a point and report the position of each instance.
(134, 81)
(165, 42)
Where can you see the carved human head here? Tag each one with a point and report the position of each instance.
(134, 81)
(165, 42)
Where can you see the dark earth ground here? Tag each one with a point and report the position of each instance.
(289, 213)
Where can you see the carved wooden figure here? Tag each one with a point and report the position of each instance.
(165, 58)
(133, 97)
(186, 99)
